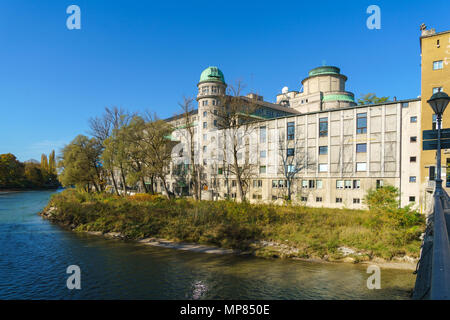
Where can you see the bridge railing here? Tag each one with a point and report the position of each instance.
(440, 271)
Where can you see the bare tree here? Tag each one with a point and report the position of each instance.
(293, 158)
(235, 116)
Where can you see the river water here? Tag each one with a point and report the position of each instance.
(34, 256)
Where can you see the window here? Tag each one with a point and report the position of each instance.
(290, 130)
(274, 183)
(361, 147)
(361, 123)
(233, 183)
(323, 150)
(262, 154)
(348, 184)
(205, 137)
(215, 123)
(204, 102)
(262, 169)
(437, 89)
(205, 113)
(413, 139)
(220, 171)
(291, 168)
(257, 183)
(304, 199)
(361, 166)
(304, 184)
(412, 179)
(290, 152)
(311, 184)
(205, 125)
(431, 173)
(318, 199)
(356, 200)
(204, 148)
(434, 124)
(323, 127)
(323, 167)
(413, 119)
(379, 184)
(338, 200)
(215, 111)
(437, 65)
(319, 184)
(412, 159)
(262, 134)
(412, 199)
(356, 184)
(339, 184)
(405, 104)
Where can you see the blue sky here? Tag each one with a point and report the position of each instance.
(143, 55)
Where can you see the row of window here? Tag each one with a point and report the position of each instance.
(214, 102)
(338, 200)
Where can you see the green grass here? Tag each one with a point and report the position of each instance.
(316, 232)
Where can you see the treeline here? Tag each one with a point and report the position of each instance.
(124, 150)
(19, 175)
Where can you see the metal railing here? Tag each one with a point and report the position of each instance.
(440, 272)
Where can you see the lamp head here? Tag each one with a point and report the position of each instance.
(439, 102)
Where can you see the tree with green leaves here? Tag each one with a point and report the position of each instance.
(11, 171)
(371, 98)
(80, 164)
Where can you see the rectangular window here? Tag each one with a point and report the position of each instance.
(338, 200)
(356, 200)
(434, 124)
(361, 147)
(339, 184)
(412, 179)
(323, 167)
(318, 199)
(437, 65)
(257, 183)
(304, 199)
(437, 89)
(215, 123)
(361, 123)
(432, 173)
(205, 124)
(323, 150)
(311, 184)
(319, 184)
(233, 183)
(205, 137)
(220, 171)
(262, 134)
(291, 168)
(262, 169)
(348, 184)
(413, 119)
(205, 113)
(262, 154)
(304, 184)
(323, 127)
(412, 159)
(412, 199)
(379, 184)
(290, 130)
(290, 152)
(361, 166)
(356, 184)
(405, 104)
(413, 139)
(274, 183)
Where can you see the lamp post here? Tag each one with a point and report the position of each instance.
(438, 103)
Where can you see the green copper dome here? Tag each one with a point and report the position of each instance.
(212, 74)
(324, 70)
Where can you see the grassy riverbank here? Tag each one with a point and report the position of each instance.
(308, 232)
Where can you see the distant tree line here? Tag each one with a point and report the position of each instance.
(19, 175)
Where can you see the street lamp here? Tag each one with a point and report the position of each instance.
(438, 103)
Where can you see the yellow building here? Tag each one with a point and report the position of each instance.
(435, 65)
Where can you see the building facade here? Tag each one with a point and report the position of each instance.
(435, 59)
(316, 142)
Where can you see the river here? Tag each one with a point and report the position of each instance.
(34, 256)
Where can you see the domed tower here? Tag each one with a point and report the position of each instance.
(210, 87)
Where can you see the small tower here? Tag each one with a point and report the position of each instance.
(210, 87)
